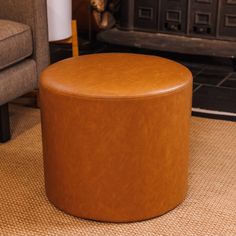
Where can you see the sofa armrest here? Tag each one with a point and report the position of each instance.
(34, 14)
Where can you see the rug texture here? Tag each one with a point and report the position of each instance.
(209, 209)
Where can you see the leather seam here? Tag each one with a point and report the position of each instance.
(110, 98)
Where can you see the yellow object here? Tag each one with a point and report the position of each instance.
(72, 40)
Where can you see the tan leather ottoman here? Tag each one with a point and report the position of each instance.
(116, 135)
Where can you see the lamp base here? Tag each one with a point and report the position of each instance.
(59, 19)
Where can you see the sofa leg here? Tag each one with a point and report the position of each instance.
(4, 124)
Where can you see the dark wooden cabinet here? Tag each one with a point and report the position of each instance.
(198, 18)
(227, 19)
(203, 18)
(173, 16)
(204, 27)
(145, 15)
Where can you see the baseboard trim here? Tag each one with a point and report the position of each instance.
(214, 114)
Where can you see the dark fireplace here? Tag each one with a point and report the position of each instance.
(206, 27)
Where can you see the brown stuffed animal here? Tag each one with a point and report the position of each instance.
(103, 11)
(99, 5)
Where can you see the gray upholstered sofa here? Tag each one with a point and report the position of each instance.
(24, 52)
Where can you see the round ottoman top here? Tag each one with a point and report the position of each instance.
(115, 75)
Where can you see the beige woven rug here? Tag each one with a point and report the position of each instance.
(210, 207)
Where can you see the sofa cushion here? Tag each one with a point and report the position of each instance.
(15, 42)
